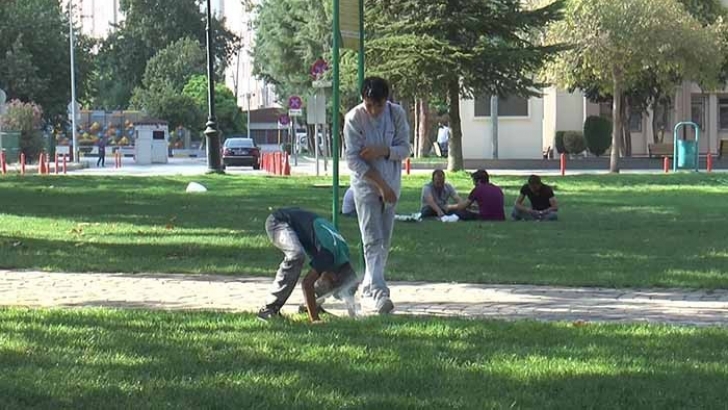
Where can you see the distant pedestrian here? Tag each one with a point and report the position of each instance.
(102, 152)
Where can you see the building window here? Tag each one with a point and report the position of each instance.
(664, 114)
(635, 120)
(605, 110)
(697, 111)
(723, 113)
(635, 116)
(512, 106)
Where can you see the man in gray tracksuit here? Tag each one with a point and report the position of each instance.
(377, 140)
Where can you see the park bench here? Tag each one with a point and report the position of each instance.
(723, 148)
(660, 150)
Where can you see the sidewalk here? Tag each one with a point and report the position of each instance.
(227, 293)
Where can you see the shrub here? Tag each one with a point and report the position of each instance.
(25, 118)
(560, 142)
(598, 134)
(574, 142)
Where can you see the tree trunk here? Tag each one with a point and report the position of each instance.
(626, 128)
(653, 106)
(423, 129)
(416, 128)
(616, 120)
(455, 146)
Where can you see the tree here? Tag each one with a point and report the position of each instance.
(456, 48)
(124, 54)
(230, 119)
(34, 55)
(289, 36)
(165, 76)
(614, 42)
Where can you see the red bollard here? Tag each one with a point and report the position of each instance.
(48, 164)
(408, 166)
(563, 164)
(41, 164)
(65, 164)
(3, 164)
(666, 165)
(710, 162)
(286, 165)
(22, 163)
(58, 171)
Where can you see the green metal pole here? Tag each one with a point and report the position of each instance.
(362, 261)
(361, 43)
(335, 121)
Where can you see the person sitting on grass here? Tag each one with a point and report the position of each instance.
(541, 198)
(436, 196)
(489, 198)
(297, 233)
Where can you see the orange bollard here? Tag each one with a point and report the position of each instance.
(41, 164)
(408, 166)
(563, 164)
(286, 165)
(277, 162)
(710, 162)
(3, 164)
(666, 165)
(57, 170)
(22, 163)
(65, 164)
(48, 164)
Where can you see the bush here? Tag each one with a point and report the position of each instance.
(560, 142)
(574, 142)
(598, 134)
(26, 119)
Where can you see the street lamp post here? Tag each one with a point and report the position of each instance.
(73, 85)
(213, 138)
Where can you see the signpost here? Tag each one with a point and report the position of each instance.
(295, 109)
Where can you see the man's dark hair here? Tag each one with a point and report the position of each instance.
(534, 180)
(481, 176)
(375, 88)
(437, 172)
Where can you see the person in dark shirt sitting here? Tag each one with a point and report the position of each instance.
(297, 233)
(541, 198)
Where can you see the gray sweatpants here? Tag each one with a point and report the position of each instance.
(285, 239)
(376, 222)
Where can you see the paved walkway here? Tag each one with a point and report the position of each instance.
(41, 289)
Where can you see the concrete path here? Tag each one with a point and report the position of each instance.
(41, 289)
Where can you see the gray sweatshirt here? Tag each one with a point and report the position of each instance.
(390, 129)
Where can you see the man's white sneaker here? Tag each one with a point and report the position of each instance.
(385, 306)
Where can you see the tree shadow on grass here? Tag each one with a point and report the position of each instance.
(209, 360)
(70, 256)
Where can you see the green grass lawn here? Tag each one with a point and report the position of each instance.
(616, 231)
(112, 359)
